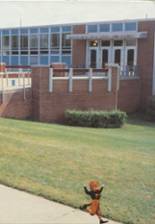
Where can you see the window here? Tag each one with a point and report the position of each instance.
(118, 42)
(34, 30)
(55, 40)
(14, 32)
(117, 27)
(66, 60)
(44, 30)
(92, 28)
(117, 58)
(24, 60)
(104, 27)
(104, 57)
(44, 41)
(54, 59)
(14, 60)
(5, 42)
(24, 42)
(66, 29)
(105, 43)
(66, 43)
(44, 60)
(34, 41)
(130, 57)
(55, 29)
(14, 43)
(131, 26)
(33, 60)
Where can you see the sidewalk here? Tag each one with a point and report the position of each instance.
(18, 207)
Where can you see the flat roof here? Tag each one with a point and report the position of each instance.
(43, 13)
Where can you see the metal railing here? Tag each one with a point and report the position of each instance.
(129, 71)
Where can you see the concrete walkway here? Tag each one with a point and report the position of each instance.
(18, 207)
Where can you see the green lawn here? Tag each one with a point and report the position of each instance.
(55, 161)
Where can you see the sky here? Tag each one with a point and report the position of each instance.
(35, 13)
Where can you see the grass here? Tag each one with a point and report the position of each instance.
(55, 161)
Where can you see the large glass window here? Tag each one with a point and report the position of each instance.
(104, 27)
(34, 41)
(55, 43)
(130, 26)
(44, 41)
(14, 43)
(92, 28)
(130, 57)
(117, 27)
(117, 56)
(24, 42)
(5, 42)
(66, 44)
(55, 40)
(118, 42)
(105, 43)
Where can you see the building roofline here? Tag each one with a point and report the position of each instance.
(82, 23)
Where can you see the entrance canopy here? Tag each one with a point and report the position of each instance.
(108, 36)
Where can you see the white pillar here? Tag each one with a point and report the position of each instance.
(70, 80)
(50, 81)
(90, 88)
(109, 79)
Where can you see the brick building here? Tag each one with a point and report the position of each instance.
(129, 43)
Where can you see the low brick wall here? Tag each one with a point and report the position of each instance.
(50, 106)
(13, 104)
(129, 95)
(42, 105)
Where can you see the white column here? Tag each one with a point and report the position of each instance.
(109, 79)
(70, 80)
(50, 81)
(90, 80)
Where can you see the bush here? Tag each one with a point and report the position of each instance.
(105, 119)
(150, 111)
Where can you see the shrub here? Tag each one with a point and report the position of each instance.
(150, 111)
(105, 119)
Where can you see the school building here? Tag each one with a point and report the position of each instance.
(128, 43)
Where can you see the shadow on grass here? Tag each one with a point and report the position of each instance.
(140, 119)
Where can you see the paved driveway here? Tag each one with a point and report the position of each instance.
(18, 207)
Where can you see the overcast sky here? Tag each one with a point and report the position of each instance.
(31, 13)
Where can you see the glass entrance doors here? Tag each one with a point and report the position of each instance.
(122, 52)
(93, 58)
(105, 57)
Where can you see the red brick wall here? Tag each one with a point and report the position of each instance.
(79, 48)
(129, 95)
(50, 106)
(145, 60)
(13, 105)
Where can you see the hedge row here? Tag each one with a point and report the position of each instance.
(105, 119)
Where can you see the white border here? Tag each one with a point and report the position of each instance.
(153, 77)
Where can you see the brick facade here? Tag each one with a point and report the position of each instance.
(50, 106)
(42, 105)
(145, 60)
(79, 48)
